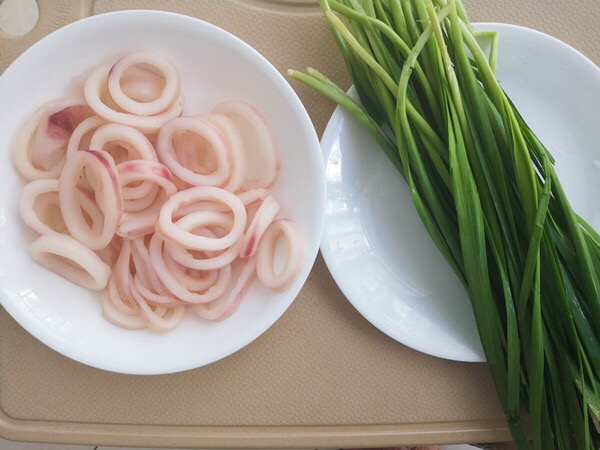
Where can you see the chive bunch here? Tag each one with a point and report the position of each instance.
(487, 193)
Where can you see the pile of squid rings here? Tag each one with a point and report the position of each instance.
(156, 210)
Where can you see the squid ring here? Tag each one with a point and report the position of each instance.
(203, 219)
(138, 145)
(178, 235)
(93, 90)
(216, 140)
(85, 269)
(168, 95)
(266, 254)
(108, 197)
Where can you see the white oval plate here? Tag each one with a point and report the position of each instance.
(374, 242)
(214, 65)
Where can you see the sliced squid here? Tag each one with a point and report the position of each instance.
(266, 255)
(136, 222)
(158, 211)
(192, 279)
(157, 63)
(212, 142)
(226, 305)
(210, 260)
(237, 176)
(256, 135)
(71, 260)
(262, 218)
(177, 235)
(95, 88)
(54, 129)
(81, 137)
(178, 289)
(41, 146)
(133, 141)
(99, 168)
(39, 206)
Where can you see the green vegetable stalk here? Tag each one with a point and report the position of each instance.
(487, 192)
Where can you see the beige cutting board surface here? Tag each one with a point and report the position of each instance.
(321, 364)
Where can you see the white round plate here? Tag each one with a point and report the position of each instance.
(374, 242)
(214, 66)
